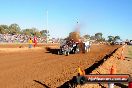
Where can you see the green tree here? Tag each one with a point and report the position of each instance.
(26, 31)
(38, 34)
(1, 30)
(116, 37)
(103, 39)
(29, 32)
(44, 33)
(111, 38)
(98, 36)
(92, 38)
(4, 29)
(14, 28)
(33, 30)
(87, 36)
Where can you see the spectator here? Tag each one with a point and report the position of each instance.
(30, 42)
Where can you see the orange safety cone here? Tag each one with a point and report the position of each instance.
(113, 69)
(122, 56)
(118, 55)
(81, 72)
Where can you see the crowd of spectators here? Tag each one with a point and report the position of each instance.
(22, 38)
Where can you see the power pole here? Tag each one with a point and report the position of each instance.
(47, 26)
(46, 19)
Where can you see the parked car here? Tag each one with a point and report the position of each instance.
(119, 42)
(130, 43)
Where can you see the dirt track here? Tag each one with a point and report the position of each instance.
(38, 68)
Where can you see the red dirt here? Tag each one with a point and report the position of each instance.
(121, 66)
(36, 68)
(18, 45)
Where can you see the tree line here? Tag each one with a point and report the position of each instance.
(99, 37)
(15, 29)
